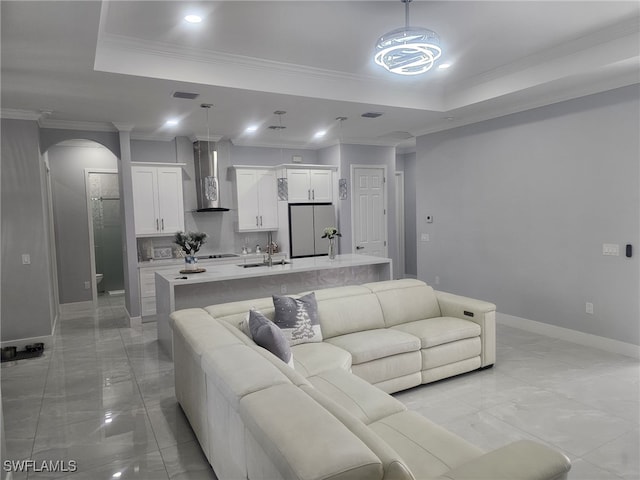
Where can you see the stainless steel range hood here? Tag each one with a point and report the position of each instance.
(207, 179)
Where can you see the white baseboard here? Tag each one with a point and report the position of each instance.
(134, 321)
(581, 338)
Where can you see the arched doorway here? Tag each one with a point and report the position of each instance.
(86, 213)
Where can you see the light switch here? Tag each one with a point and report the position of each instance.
(424, 237)
(26, 259)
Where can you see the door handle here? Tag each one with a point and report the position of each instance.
(359, 247)
(260, 220)
(163, 224)
(309, 194)
(313, 194)
(157, 225)
(257, 224)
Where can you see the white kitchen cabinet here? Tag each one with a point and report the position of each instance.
(257, 199)
(310, 185)
(157, 200)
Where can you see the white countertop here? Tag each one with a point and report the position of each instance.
(217, 273)
(168, 262)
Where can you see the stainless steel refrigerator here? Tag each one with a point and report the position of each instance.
(307, 222)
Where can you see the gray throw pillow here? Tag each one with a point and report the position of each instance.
(298, 318)
(267, 335)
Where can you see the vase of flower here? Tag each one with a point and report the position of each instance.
(190, 244)
(332, 249)
(190, 262)
(331, 233)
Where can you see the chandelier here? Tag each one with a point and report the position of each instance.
(408, 50)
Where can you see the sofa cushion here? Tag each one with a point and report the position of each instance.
(267, 335)
(405, 300)
(238, 370)
(293, 429)
(428, 449)
(394, 467)
(440, 330)
(358, 397)
(373, 344)
(235, 313)
(343, 315)
(298, 318)
(387, 368)
(200, 331)
(313, 358)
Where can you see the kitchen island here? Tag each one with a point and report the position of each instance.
(229, 283)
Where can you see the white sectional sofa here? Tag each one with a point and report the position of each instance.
(331, 416)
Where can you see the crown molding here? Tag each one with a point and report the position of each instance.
(76, 125)
(18, 114)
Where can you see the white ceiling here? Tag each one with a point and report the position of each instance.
(92, 64)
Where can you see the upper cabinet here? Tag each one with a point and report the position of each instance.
(257, 198)
(157, 199)
(310, 185)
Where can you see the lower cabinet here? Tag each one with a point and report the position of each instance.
(148, 287)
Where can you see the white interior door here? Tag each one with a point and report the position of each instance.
(369, 211)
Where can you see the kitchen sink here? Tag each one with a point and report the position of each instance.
(262, 264)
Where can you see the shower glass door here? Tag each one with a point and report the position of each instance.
(107, 231)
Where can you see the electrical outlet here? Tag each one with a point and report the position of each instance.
(589, 308)
(424, 237)
(611, 249)
(26, 259)
(437, 280)
(283, 288)
(87, 285)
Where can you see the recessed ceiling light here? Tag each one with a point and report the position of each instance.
(193, 18)
(251, 129)
(172, 122)
(320, 134)
(444, 66)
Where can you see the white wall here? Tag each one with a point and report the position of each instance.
(522, 205)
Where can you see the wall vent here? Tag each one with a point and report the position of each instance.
(371, 115)
(185, 95)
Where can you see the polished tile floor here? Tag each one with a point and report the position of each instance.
(102, 395)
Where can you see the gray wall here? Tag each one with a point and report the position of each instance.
(522, 205)
(26, 289)
(71, 217)
(368, 155)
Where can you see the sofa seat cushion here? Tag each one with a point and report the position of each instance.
(313, 358)
(358, 397)
(428, 449)
(373, 344)
(300, 437)
(440, 330)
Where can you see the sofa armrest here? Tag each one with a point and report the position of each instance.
(478, 311)
(522, 460)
